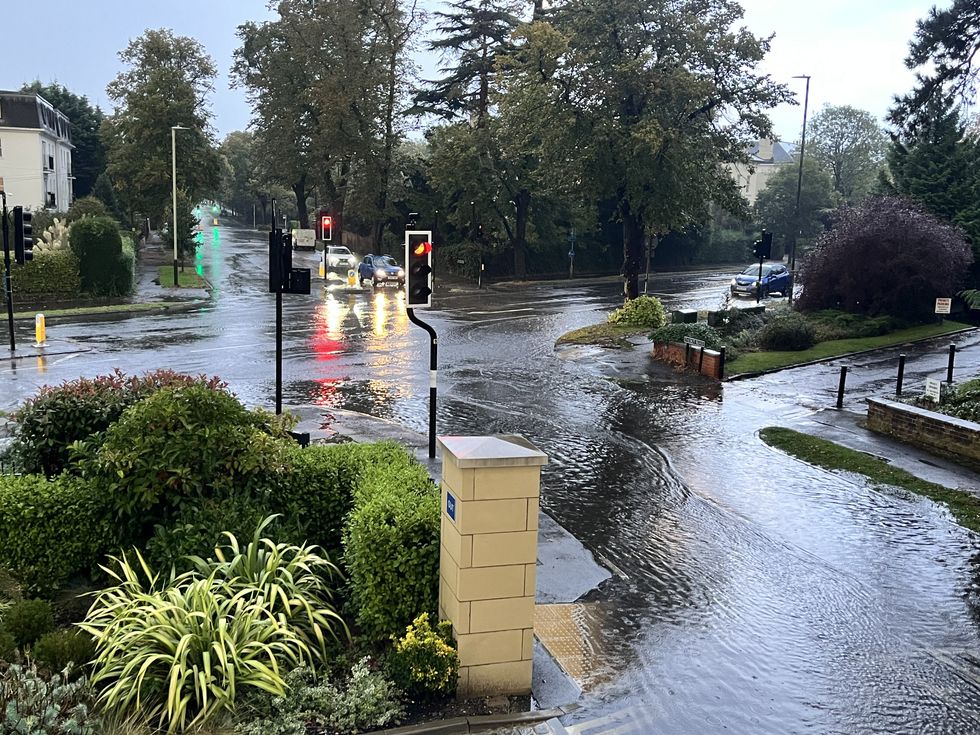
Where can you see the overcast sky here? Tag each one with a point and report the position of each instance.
(853, 49)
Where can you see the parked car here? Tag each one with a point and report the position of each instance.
(339, 259)
(380, 270)
(775, 277)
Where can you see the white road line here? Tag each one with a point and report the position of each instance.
(499, 311)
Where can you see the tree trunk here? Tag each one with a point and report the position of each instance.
(523, 202)
(633, 243)
(299, 189)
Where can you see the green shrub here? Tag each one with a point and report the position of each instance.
(391, 551)
(89, 206)
(53, 530)
(834, 324)
(50, 422)
(791, 332)
(28, 620)
(62, 650)
(367, 701)
(424, 661)
(97, 244)
(34, 704)
(245, 623)
(198, 527)
(316, 493)
(643, 311)
(678, 332)
(54, 272)
(8, 646)
(733, 322)
(182, 445)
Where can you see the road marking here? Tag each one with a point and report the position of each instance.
(499, 311)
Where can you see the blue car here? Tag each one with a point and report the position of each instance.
(380, 270)
(775, 277)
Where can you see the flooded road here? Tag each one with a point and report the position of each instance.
(751, 593)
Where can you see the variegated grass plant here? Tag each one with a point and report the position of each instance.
(181, 650)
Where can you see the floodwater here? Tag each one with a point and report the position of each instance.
(750, 593)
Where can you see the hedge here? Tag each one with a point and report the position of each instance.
(53, 530)
(391, 551)
(51, 272)
(106, 269)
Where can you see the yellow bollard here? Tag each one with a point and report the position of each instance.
(351, 278)
(322, 271)
(40, 333)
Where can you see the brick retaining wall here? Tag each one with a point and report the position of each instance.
(943, 435)
(690, 358)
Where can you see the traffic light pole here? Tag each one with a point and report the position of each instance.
(8, 292)
(433, 372)
(278, 328)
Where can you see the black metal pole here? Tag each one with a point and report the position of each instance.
(433, 373)
(721, 363)
(901, 376)
(8, 291)
(952, 359)
(758, 288)
(799, 189)
(840, 386)
(278, 321)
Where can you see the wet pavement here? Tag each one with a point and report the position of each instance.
(751, 593)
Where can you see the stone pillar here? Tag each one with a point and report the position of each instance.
(488, 556)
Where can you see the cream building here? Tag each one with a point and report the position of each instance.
(35, 152)
(765, 158)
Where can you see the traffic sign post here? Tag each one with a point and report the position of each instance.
(943, 306)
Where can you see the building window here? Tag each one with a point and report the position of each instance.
(52, 200)
(1, 147)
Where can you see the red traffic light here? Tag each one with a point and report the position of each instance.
(326, 227)
(421, 249)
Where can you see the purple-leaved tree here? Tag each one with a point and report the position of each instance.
(886, 256)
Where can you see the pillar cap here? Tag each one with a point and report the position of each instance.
(500, 450)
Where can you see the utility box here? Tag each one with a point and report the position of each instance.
(684, 316)
(488, 558)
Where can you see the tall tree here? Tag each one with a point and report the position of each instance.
(944, 50)
(651, 99)
(938, 166)
(88, 158)
(776, 205)
(473, 34)
(166, 83)
(238, 172)
(851, 145)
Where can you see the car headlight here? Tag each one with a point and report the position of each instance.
(379, 273)
(401, 272)
(734, 282)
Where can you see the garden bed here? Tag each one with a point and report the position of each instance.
(308, 574)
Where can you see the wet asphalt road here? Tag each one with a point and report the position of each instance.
(751, 594)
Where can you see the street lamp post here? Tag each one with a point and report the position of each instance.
(173, 160)
(799, 189)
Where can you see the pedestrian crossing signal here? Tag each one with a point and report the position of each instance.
(418, 269)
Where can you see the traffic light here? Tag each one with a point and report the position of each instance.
(418, 268)
(23, 236)
(326, 227)
(282, 276)
(762, 249)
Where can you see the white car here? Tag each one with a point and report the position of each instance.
(339, 259)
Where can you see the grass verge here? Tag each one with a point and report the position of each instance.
(603, 335)
(185, 278)
(964, 506)
(756, 362)
(89, 310)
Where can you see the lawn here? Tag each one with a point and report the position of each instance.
(964, 506)
(185, 278)
(756, 362)
(603, 335)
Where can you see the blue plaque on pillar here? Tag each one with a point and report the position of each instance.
(450, 505)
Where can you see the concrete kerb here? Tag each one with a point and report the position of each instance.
(51, 349)
(481, 723)
(760, 373)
